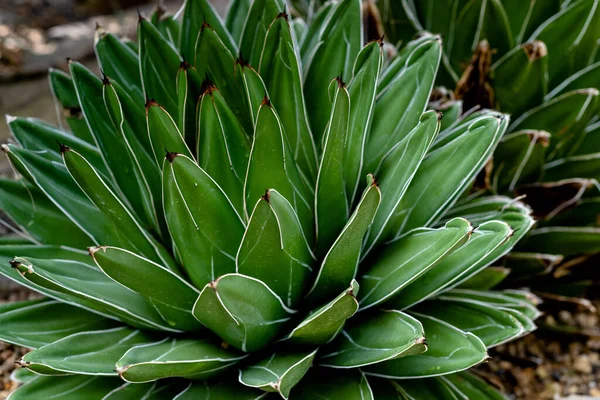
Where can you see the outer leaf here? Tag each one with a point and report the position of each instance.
(34, 324)
(279, 373)
(331, 200)
(280, 69)
(473, 387)
(486, 279)
(495, 299)
(86, 353)
(567, 241)
(403, 261)
(586, 78)
(400, 104)
(241, 310)
(422, 389)
(271, 166)
(258, 19)
(449, 350)
(383, 335)
(340, 264)
(66, 388)
(338, 43)
(582, 166)
(164, 134)
(148, 391)
(186, 358)
(333, 384)
(274, 249)
(167, 291)
(220, 390)
(323, 324)
(197, 210)
(236, 17)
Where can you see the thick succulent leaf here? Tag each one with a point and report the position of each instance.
(158, 63)
(189, 89)
(316, 26)
(34, 323)
(57, 185)
(331, 200)
(338, 43)
(83, 285)
(473, 387)
(406, 259)
(395, 174)
(402, 101)
(272, 166)
(280, 372)
(571, 36)
(415, 389)
(495, 299)
(164, 134)
(173, 358)
(340, 264)
(87, 353)
(435, 188)
(38, 219)
(258, 20)
(274, 249)
(75, 387)
(524, 17)
(565, 240)
(148, 391)
(197, 210)
(280, 69)
(485, 208)
(449, 350)
(324, 323)
(195, 14)
(564, 117)
(241, 310)
(236, 17)
(362, 89)
(23, 375)
(486, 279)
(527, 265)
(125, 224)
(591, 139)
(520, 78)
(223, 71)
(171, 294)
(492, 326)
(581, 166)
(120, 63)
(333, 384)
(519, 158)
(207, 390)
(380, 336)
(222, 142)
(254, 88)
(588, 77)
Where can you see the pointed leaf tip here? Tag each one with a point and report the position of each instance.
(171, 155)
(266, 101)
(63, 147)
(15, 264)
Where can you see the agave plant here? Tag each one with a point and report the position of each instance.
(265, 205)
(539, 62)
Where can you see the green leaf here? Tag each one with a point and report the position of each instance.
(362, 89)
(87, 353)
(120, 63)
(185, 358)
(169, 292)
(486, 279)
(83, 285)
(323, 324)
(222, 142)
(197, 210)
(149, 391)
(525, 17)
(495, 299)
(37, 218)
(34, 323)
(195, 14)
(280, 70)
(383, 335)
(331, 200)
(23, 375)
(254, 88)
(473, 387)
(402, 101)
(258, 20)
(274, 249)
(406, 259)
(528, 265)
(159, 63)
(272, 166)
(582, 166)
(340, 264)
(333, 384)
(125, 224)
(588, 77)
(167, 25)
(435, 188)
(337, 44)
(449, 350)
(236, 17)
(395, 174)
(220, 390)
(423, 389)
(241, 310)
(67, 388)
(520, 78)
(565, 240)
(492, 326)
(278, 373)
(189, 89)
(164, 134)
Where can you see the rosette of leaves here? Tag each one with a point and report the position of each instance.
(264, 207)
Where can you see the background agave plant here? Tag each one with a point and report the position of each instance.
(539, 62)
(216, 174)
